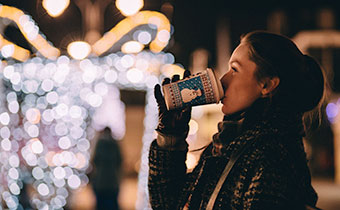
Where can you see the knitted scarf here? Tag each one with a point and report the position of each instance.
(228, 130)
(259, 114)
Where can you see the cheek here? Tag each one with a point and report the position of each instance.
(225, 80)
(239, 97)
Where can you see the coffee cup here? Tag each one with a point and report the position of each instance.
(197, 89)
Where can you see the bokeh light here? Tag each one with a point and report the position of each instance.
(30, 31)
(48, 116)
(132, 47)
(134, 75)
(144, 37)
(52, 106)
(129, 7)
(79, 50)
(55, 8)
(7, 50)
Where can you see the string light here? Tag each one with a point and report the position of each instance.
(151, 18)
(30, 31)
(55, 132)
(45, 125)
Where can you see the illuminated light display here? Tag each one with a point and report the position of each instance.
(46, 129)
(30, 31)
(52, 105)
(151, 18)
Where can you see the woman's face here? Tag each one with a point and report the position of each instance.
(240, 86)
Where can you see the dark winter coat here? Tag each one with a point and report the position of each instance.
(271, 174)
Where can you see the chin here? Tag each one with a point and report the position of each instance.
(228, 111)
(225, 110)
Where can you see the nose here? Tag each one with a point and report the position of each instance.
(224, 80)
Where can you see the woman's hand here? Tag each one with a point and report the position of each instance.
(172, 122)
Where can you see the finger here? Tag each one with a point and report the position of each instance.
(159, 97)
(166, 81)
(187, 109)
(186, 74)
(175, 78)
(158, 94)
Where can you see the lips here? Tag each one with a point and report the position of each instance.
(224, 88)
(222, 99)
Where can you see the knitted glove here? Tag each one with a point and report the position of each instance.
(173, 125)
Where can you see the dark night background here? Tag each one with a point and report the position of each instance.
(194, 21)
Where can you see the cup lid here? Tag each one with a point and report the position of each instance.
(217, 86)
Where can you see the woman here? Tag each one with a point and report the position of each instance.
(269, 86)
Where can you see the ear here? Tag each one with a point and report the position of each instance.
(269, 85)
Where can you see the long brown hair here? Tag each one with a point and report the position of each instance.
(303, 87)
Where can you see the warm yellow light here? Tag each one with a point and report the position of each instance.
(55, 7)
(79, 50)
(33, 115)
(49, 158)
(7, 50)
(132, 47)
(129, 7)
(171, 69)
(25, 25)
(153, 18)
(80, 160)
(19, 53)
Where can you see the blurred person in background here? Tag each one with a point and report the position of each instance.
(25, 196)
(106, 174)
(257, 158)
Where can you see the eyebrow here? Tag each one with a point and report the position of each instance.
(235, 61)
